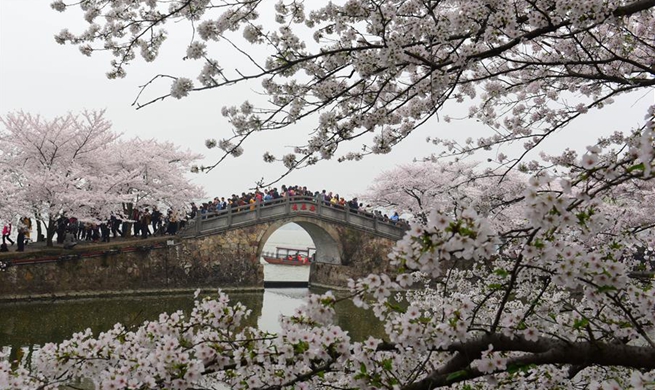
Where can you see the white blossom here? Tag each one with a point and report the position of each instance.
(210, 143)
(196, 50)
(181, 87)
(269, 157)
(58, 5)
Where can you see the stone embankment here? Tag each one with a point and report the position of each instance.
(206, 259)
(130, 266)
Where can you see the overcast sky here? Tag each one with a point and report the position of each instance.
(39, 76)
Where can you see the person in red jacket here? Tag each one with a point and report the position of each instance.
(6, 232)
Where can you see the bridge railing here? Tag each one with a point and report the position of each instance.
(294, 205)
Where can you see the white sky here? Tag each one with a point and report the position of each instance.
(39, 76)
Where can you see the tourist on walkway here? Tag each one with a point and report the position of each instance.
(104, 231)
(70, 241)
(6, 232)
(73, 228)
(20, 239)
(136, 217)
(86, 231)
(115, 225)
(145, 223)
(155, 219)
(95, 232)
(172, 222)
(27, 222)
(62, 225)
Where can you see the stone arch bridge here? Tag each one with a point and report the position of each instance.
(215, 250)
(348, 244)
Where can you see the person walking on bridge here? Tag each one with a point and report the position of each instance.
(20, 239)
(6, 232)
(27, 231)
(155, 220)
(145, 224)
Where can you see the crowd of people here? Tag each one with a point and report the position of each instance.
(70, 230)
(143, 222)
(248, 201)
(149, 221)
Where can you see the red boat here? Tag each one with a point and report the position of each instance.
(290, 256)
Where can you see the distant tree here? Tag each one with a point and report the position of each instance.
(421, 187)
(76, 166)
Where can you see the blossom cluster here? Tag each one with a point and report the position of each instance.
(377, 70)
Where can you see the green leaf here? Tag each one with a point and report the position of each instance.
(501, 272)
(604, 289)
(515, 368)
(394, 307)
(616, 245)
(301, 347)
(638, 167)
(581, 323)
(456, 375)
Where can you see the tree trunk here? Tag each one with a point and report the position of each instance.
(50, 232)
(39, 231)
(127, 214)
(127, 229)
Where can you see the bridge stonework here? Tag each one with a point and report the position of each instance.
(163, 265)
(362, 254)
(218, 251)
(348, 244)
(342, 252)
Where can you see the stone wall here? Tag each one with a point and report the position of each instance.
(229, 260)
(206, 262)
(363, 254)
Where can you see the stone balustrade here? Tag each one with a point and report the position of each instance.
(235, 217)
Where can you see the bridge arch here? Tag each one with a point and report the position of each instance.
(324, 235)
(349, 244)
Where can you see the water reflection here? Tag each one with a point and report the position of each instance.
(26, 325)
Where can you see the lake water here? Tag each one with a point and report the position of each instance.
(27, 325)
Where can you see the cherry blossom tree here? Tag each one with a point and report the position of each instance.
(420, 187)
(373, 71)
(50, 162)
(151, 172)
(556, 299)
(75, 165)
